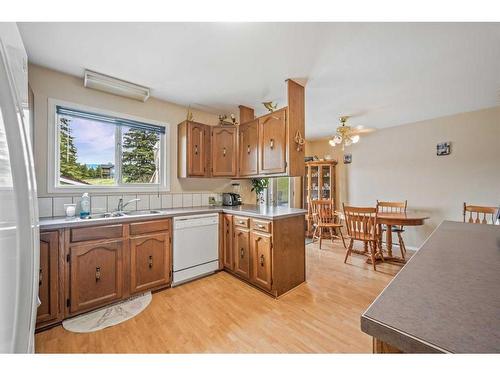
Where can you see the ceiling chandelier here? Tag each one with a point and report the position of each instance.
(344, 135)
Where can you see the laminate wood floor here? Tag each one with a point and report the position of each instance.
(221, 314)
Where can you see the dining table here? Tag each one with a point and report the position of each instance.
(390, 219)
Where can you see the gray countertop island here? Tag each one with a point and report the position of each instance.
(447, 298)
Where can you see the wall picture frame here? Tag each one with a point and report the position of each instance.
(347, 158)
(443, 148)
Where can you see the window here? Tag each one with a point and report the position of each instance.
(279, 191)
(106, 152)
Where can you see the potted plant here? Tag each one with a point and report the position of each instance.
(260, 185)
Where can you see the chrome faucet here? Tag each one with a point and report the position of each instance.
(122, 205)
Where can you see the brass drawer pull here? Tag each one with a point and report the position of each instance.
(97, 274)
(248, 149)
(196, 149)
(224, 152)
(150, 261)
(271, 143)
(260, 225)
(241, 222)
(40, 277)
(262, 260)
(242, 253)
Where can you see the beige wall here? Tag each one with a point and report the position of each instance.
(400, 163)
(51, 84)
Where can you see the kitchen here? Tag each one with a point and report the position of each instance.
(238, 219)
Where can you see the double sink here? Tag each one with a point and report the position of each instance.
(121, 214)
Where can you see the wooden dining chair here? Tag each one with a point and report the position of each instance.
(395, 207)
(480, 214)
(326, 218)
(361, 223)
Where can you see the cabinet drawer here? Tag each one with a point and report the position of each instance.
(102, 232)
(261, 225)
(149, 227)
(240, 221)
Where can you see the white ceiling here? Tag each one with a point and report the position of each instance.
(384, 74)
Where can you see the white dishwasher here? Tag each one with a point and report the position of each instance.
(196, 246)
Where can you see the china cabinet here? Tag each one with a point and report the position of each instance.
(319, 183)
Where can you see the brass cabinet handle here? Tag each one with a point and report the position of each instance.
(196, 149)
(224, 152)
(262, 260)
(97, 274)
(271, 143)
(242, 253)
(150, 261)
(248, 149)
(260, 225)
(241, 222)
(40, 277)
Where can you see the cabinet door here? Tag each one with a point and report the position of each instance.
(261, 259)
(227, 241)
(149, 261)
(248, 148)
(272, 142)
(241, 252)
(95, 274)
(196, 149)
(48, 286)
(224, 156)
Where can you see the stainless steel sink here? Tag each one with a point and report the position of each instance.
(103, 216)
(142, 212)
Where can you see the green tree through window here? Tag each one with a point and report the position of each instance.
(69, 167)
(140, 149)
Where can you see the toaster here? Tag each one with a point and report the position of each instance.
(231, 199)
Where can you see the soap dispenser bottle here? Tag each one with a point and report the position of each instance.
(85, 206)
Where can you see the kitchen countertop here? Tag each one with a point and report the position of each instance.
(270, 213)
(446, 298)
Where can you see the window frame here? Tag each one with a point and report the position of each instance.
(53, 158)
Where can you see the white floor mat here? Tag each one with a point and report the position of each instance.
(108, 316)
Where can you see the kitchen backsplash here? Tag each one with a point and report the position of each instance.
(54, 206)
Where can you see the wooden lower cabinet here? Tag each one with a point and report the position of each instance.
(149, 261)
(269, 254)
(48, 278)
(241, 252)
(96, 274)
(260, 253)
(227, 241)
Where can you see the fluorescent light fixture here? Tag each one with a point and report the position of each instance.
(102, 82)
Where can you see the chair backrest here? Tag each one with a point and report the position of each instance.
(397, 207)
(361, 222)
(479, 214)
(323, 211)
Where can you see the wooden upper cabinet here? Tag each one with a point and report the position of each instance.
(95, 274)
(272, 142)
(193, 149)
(197, 162)
(227, 241)
(241, 251)
(261, 259)
(224, 157)
(149, 261)
(48, 278)
(248, 148)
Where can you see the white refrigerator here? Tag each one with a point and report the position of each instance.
(19, 232)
